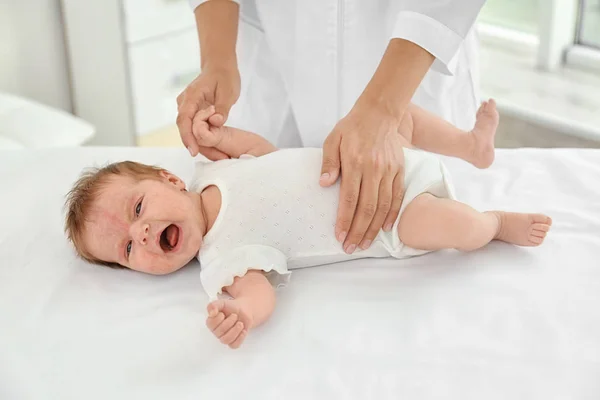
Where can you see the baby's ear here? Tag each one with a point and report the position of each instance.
(172, 179)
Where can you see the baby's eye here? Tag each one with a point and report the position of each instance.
(128, 249)
(138, 208)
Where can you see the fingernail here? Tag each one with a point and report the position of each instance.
(387, 228)
(325, 177)
(240, 325)
(342, 237)
(212, 313)
(350, 249)
(190, 150)
(365, 245)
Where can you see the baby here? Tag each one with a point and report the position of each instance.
(255, 216)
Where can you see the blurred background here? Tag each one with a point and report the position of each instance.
(118, 66)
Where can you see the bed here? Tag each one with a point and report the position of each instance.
(500, 323)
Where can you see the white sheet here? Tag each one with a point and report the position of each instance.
(500, 323)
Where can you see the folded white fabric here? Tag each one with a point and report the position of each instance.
(28, 124)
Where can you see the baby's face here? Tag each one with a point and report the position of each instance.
(152, 226)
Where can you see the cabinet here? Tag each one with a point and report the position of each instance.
(128, 61)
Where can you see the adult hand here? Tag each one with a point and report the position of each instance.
(366, 148)
(219, 87)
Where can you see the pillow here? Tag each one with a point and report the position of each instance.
(35, 125)
(9, 144)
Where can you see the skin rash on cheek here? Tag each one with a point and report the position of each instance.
(114, 220)
(121, 229)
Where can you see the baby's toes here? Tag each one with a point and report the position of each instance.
(540, 227)
(540, 230)
(536, 240)
(230, 336)
(481, 109)
(537, 233)
(540, 219)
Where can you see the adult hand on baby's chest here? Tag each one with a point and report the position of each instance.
(366, 149)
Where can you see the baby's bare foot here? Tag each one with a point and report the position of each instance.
(482, 154)
(522, 229)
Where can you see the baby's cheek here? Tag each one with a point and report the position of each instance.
(145, 262)
(158, 264)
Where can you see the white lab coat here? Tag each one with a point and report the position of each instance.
(304, 63)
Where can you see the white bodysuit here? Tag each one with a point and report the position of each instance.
(275, 216)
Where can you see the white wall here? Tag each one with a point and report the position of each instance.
(33, 62)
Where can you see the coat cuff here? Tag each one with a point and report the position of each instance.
(433, 36)
(195, 3)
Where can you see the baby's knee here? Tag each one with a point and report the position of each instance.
(411, 228)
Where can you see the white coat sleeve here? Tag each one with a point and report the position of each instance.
(438, 26)
(195, 3)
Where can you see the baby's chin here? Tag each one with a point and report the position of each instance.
(160, 271)
(176, 267)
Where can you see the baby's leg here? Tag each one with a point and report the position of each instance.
(429, 132)
(431, 223)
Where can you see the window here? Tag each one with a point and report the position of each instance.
(588, 32)
(521, 42)
(519, 15)
(556, 32)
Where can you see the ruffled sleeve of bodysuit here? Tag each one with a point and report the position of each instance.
(220, 272)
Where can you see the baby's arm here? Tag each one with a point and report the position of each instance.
(231, 141)
(236, 142)
(252, 304)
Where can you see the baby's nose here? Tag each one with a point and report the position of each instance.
(142, 233)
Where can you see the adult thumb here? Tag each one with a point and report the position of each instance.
(221, 114)
(330, 166)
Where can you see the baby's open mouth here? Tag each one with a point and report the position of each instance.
(169, 238)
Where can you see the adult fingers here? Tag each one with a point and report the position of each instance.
(202, 132)
(225, 98)
(185, 116)
(397, 197)
(330, 166)
(349, 191)
(365, 211)
(384, 203)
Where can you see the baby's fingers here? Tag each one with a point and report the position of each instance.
(205, 114)
(225, 326)
(233, 333)
(240, 339)
(204, 135)
(213, 322)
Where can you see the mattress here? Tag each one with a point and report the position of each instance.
(499, 323)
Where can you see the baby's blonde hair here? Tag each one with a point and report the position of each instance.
(85, 192)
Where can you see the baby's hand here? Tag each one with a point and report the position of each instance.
(229, 320)
(206, 135)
